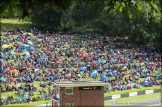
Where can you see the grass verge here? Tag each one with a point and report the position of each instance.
(28, 104)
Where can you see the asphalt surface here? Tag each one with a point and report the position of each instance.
(157, 101)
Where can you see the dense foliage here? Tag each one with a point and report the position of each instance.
(140, 21)
(51, 18)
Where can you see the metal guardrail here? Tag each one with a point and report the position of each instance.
(141, 92)
(157, 90)
(108, 98)
(124, 95)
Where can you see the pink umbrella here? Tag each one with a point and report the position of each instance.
(59, 75)
(23, 37)
(68, 75)
(94, 63)
(57, 58)
(152, 64)
(48, 52)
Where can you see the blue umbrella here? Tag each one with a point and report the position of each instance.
(55, 78)
(104, 79)
(103, 61)
(37, 63)
(82, 68)
(99, 61)
(29, 38)
(44, 59)
(132, 85)
(94, 72)
(128, 60)
(109, 74)
(26, 47)
(144, 83)
(120, 87)
(11, 53)
(157, 76)
(126, 64)
(2, 78)
(103, 76)
(1, 70)
(143, 71)
(26, 96)
(27, 78)
(49, 77)
(26, 53)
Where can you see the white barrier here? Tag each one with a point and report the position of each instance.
(149, 91)
(116, 96)
(132, 94)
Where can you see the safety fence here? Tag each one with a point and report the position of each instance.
(129, 94)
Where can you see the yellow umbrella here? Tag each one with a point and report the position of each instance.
(5, 46)
(104, 54)
(124, 68)
(27, 33)
(10, 45)
(30, 34)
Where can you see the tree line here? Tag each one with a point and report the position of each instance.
(139, 22)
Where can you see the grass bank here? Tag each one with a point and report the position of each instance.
(28, 104)
(10, 24)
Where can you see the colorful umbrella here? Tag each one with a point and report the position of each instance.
(4, 46)
(26, 53)
(30, 42)
(15, 71)
(83, 55)
(10, 45)
(57, 58)
(26, 47)
(48, 52)
(17, 53)
(11, 79)
(11, 53)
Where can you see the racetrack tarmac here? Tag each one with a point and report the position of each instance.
(156, 101)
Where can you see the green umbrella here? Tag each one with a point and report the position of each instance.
(4, 46)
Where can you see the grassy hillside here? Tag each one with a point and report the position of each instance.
(10, 24)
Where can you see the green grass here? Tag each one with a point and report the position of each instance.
(10, 24)
(106, 102)
(37, 93)
(133, 98)
(28, 104)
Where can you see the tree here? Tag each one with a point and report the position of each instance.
(51, 18)
(145, 26)
(25, 6)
